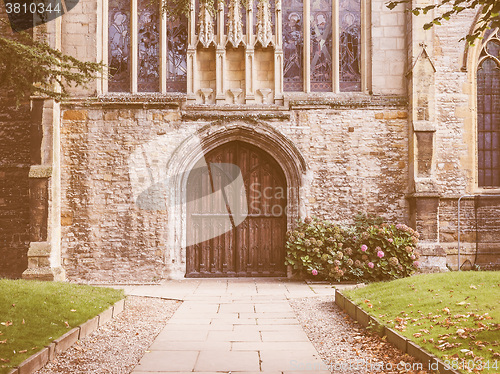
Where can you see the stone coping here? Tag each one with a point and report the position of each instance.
(41, 358)
(430, 361)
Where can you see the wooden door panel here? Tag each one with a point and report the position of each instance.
(256, 246)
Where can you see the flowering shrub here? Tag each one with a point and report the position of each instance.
(368, 251)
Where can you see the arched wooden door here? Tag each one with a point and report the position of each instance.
(256, 247)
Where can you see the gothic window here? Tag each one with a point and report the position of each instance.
(148, 48)
(135, 52)
(350, 45)
(313, 54)
(321, 45)
(176, 60)
(293, 45)
(488, 112)
(119, 45)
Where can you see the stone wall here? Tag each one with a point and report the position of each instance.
(355, 162)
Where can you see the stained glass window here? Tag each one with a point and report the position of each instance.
(293, 45)
(148, 39)
(321, 45)
(177, 44)
(119, 45)
(350, 45)
(488, 114)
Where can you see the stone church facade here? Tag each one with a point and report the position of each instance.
(342, 105)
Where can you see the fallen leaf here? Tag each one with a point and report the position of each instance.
(73, 310)
(3, 341)
(67, 324)
(4, 360)
(23, 351)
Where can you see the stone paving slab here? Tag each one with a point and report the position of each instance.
(168, 361)
(228, 361)
(232, 325)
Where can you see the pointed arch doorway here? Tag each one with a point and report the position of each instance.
(255, 247)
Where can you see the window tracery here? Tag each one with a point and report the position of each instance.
(315, 45)
(488, 111)
(134, 48)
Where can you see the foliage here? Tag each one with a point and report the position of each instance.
(489, 14)
(369, 251)
(33, 314)
(454, 315)
(31, 67)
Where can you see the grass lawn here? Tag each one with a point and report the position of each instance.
(32, 314)
(455, 316)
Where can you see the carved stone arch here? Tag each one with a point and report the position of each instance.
(202, 141)
(471, 52)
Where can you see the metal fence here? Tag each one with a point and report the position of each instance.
(484, 218)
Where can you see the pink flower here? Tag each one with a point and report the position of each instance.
(314, 272)
(390, 240)
(416, 264)
(413, 257)
(380, 254)
(364, 248)
(371, 265)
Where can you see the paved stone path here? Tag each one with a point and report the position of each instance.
(232, 325)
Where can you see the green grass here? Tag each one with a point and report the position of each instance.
(433, 309)
(33, 314)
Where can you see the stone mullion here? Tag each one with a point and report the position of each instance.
(365, 46)
(220, 56)
(102, 44)
(191, 75)
(134, 47)
(278, 53)
(163, 52)
(250, 70)
(307, 46)
(335, 47)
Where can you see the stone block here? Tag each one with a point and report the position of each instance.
(75, 115)
(105, 316)
(67, 340)
(118, 307)
(40, 171)
(397, 340)
(111, 116)
(35, 362)
(88, 327)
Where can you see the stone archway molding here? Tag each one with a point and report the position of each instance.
(187, 156)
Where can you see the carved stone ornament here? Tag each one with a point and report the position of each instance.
(205, 26)
(234, 23)
(277, 4)
(264, 23)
